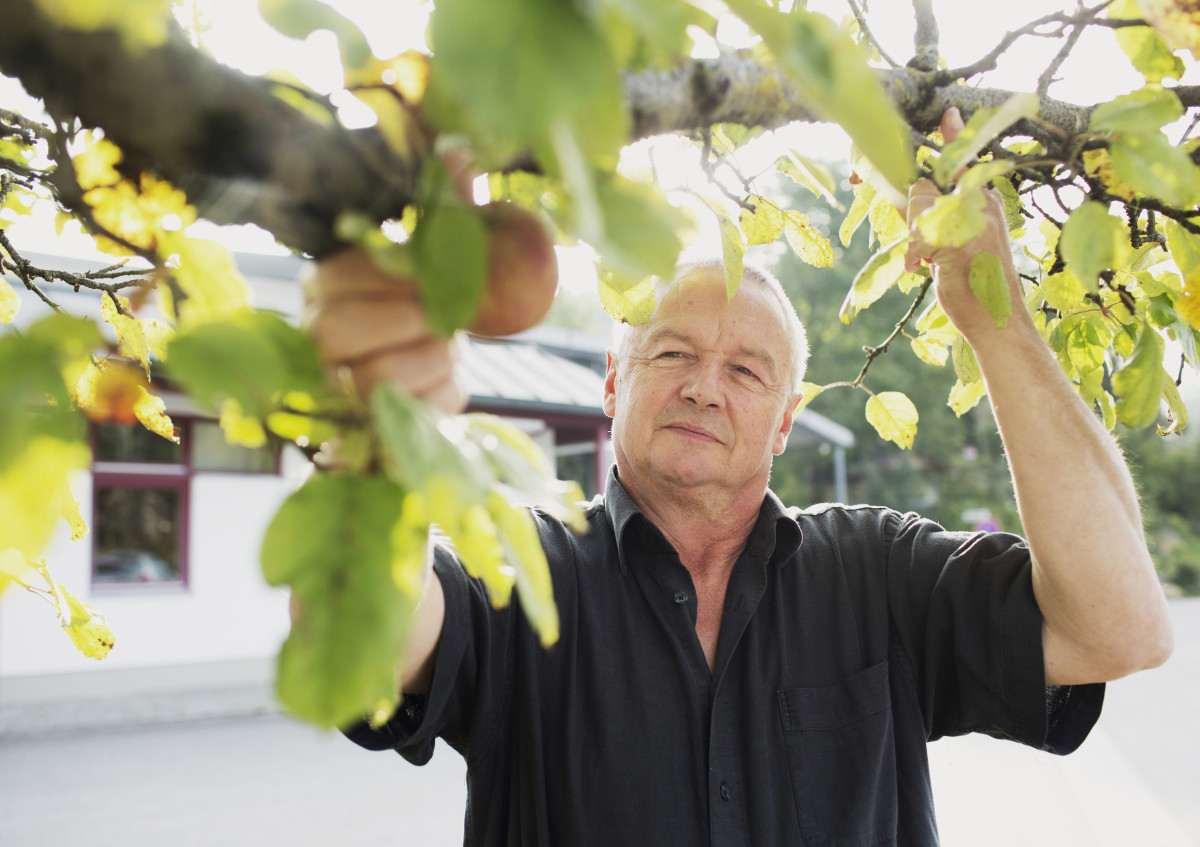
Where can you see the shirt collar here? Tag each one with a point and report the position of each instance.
(775, 534)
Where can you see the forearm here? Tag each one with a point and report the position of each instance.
(1105, 612)
(420, 653)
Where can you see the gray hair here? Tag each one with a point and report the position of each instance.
(753, 274)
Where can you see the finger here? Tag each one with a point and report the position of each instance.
(420, 369)
(351, 273)
(951, 125)
(450, 397)
(349, 330)
(921, 195)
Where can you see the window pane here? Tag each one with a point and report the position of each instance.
(580, 467)
(211, 452)
(134, 443)
(137, 535)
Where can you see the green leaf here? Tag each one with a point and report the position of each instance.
(450, 246)
(855, 216)
(301, 18)
(1086, 347)
(641, 228)
(1149, 163)
(733, 251)
(878, 275)
(807, 242)
(1177, 411)
(1183, 246)
(894, 417)
(1146, 49)
(954, 219)
(763, 224)
(1089, 242)
(809, 174)
(966, 367)
(1137, 113)
(251, 357)
(1139, 384)
(983, 126)
(990, 287)
(1062, 291)
(831, 72)
(332, 542)
(519, 66)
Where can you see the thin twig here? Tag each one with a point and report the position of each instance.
(860, 17)
(1047, 78)
(874, 353)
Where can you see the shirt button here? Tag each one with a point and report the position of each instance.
(680, 598)
(725, 792)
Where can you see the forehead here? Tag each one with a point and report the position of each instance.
(696, 308)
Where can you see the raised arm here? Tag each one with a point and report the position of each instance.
(1105, 612)
(372, 327)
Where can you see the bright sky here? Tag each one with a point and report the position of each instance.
(968, 30)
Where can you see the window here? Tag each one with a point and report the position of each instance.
(142, 485)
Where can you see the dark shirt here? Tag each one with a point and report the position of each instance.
(850, 637)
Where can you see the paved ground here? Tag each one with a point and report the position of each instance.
(264, 780)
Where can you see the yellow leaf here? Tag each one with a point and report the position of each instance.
(931, 350)
(763, 224)
(887, 224)
(1177, 21)
(86, 627)
(12, 567)
(954, 219)
(152, 413)
(131, 335)
(1188, 304)
(9, 302)
(28, 488)
(394, 122)
(894, 417)
(963, 398)
(68, 508)
(158, 336)
(623, 300)
(809, 243)
(206, 274)
(95, 164)
(532, 575)
(240, 429)
(1098, 163)
(407, 73)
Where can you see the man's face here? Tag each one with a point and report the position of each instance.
(701, 397)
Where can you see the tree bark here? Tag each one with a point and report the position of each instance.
(245, 156)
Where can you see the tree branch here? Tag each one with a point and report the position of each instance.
(925, 40)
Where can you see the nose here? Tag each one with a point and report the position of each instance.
(703, 385)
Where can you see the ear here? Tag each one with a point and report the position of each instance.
(610, 384)
(785, 426)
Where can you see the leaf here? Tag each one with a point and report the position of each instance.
(880, 273)
(966, 396)
(1012, 205)
(1176, 21)
(954, 219)
(1183, 246)
(1085, 347)
(1062, 291)
(86, 627)
(518, 66)
(333, 543)
(206, 275)
(30, 489)
(1146, 49)
(151, 412)
(808, 393)
(763, 224)
(887, 224)
(641, 228)
(1089, 242)
(451, 249)
(628, 300)
(1098, 163)
(809, 174)
(931, 350)
(1139, 384)
(983, 126)
(1152, 165)
(131, 337)
(240, 429)
(966, 367)
(733, 247)
(990, 287)
(894, 417)
(831, 72)
(1188, 305)
(1138, 112)
(1177, 411)
(68, 510)
(9, 302)
(301, 18)
(139, 23)
(806, 241)
(857, 213)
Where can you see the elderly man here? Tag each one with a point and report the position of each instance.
(731, 671)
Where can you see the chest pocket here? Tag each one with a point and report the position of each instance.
(842, 756)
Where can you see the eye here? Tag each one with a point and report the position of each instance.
(743, 370)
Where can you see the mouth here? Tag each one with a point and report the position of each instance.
(688, 430)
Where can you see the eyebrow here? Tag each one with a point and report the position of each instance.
(759, 354)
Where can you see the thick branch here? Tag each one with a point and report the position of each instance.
(241, 154)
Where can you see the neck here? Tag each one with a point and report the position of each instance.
(708, 532)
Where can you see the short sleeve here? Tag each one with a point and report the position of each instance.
(964, 611)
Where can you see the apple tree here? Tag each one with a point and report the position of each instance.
(537, 104)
